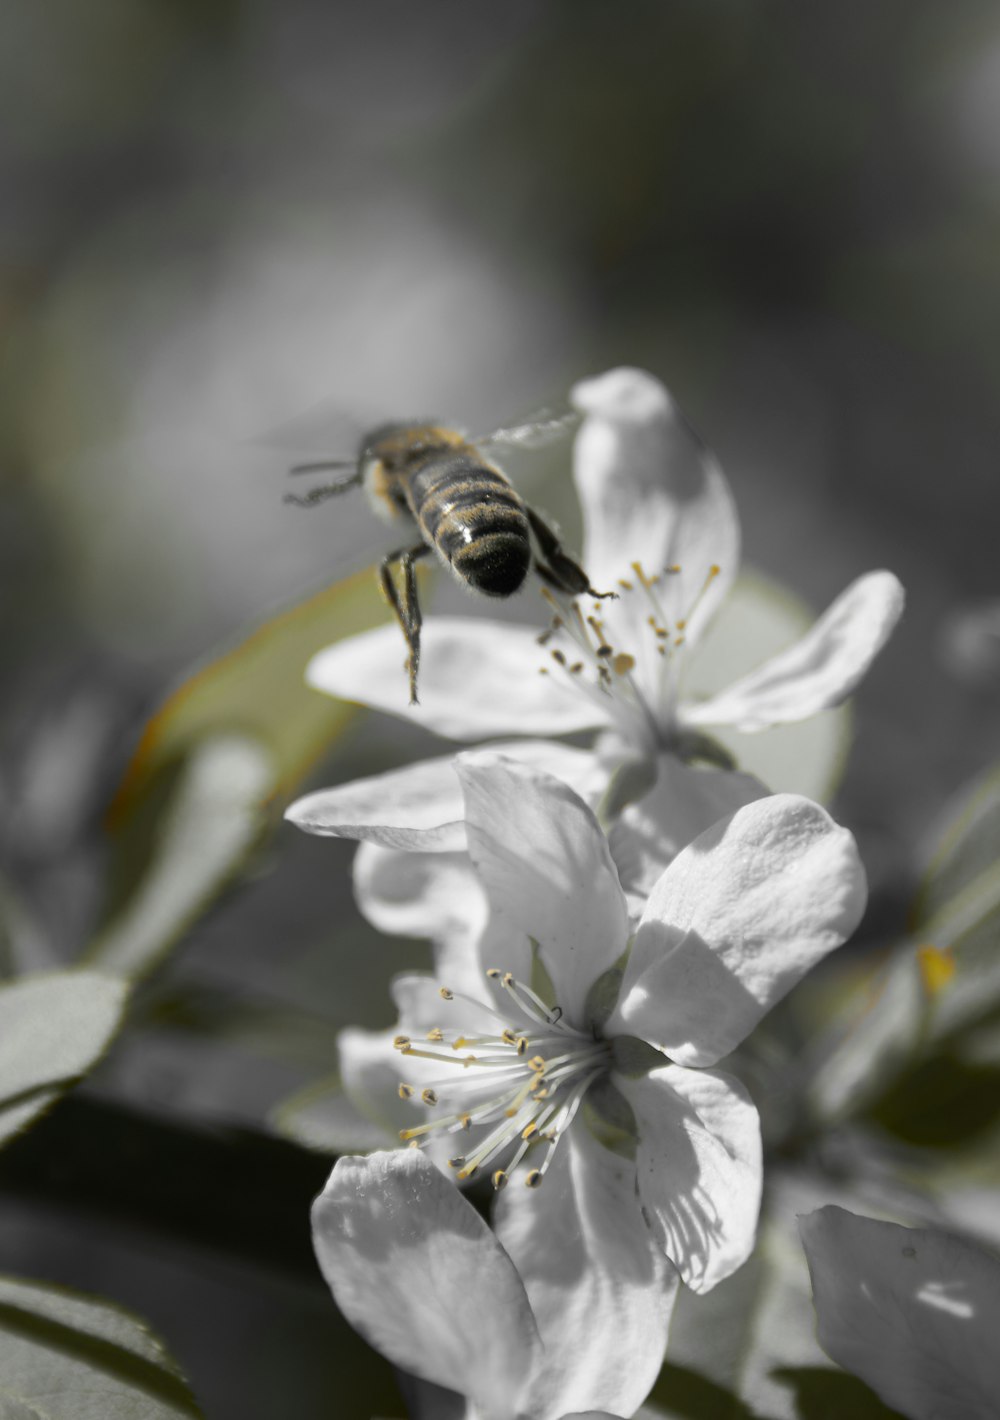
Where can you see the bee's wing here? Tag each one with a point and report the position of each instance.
(541, 429)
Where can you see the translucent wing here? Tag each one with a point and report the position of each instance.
(542, 429)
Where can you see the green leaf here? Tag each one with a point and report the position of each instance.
(912, 1311)
(320, 1117)
(64, 1356)
(53, 1029)
(760, 618)
(822, 1394)
(256, 688)
(212, 817)
(265, 1027)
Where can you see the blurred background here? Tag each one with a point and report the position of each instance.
(236, 233)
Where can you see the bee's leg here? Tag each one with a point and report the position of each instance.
(326, 490)
(559, 569)
(406, 607)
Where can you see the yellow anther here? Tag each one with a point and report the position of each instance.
(522, 1045)
(533, 1179)
(558, 657)
(623, 663)
(508, 1037)
(465, 1120)
(436, 1035)
(529, 1129)
(429, 1096)
(576, 668)
(493, 973)
(457, 1163)
(499, 1179)
(605, 650)
(445, 994)
(674, 567)
(625, 585)
(405, 1091)
(537, 1063)
(401, 1042)
(507, 979)
(680, 624)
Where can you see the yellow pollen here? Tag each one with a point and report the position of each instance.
(679, 641)
(428, 1096)
(465, 1120)
(405, 1091)
(493, 972)
(445, 994)
(522, 1045)
(623, 663)
(499, 1179)
(401, 1042)
(537, 1063)
(625, 585)
(507, 978)
(436, 1035)
(680, 624)
(508, 1037)
(543, 670)
(533, 1179)
(469, 1060)
(529, 1129)
(674, 567)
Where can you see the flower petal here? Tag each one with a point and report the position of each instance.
(417, 807)
(912, 1311)
(651, 493)
(547, 868)
(699, 1168)
(418, 1273)
(370, 1072)
(439, 896)
(682, 804)
(734, 922)
(477, 678)
(600, 1289)
(818, 672)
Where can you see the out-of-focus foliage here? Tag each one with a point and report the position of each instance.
(64, 1356)
(53, 1030)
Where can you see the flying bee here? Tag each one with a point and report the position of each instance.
(463, 508)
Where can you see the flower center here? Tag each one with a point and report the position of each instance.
(627, 659)
(527, 1079)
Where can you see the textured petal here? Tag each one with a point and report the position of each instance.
(477, 678)
(912, 1311)
(682, 804)
(734, 922)
(547, 868)
(418, 807)
(651, 492)
(600, 1289)
(699, 1168)
(418, 1273)
(819, 671)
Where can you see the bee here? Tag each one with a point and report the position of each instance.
(461, 506)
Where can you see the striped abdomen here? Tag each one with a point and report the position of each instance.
(471, 514)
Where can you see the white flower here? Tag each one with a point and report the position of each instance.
(661, 529)
(417, 1271)
(510, 1083)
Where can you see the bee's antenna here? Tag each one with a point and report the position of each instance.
(323, 464)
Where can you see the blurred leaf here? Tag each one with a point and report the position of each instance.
(726, 1347)
(822, 1394)
(53, 1029)
(912, 1311)
(199, 834)
(267, 1027)
(69, 1357)
(940, 1102)
(256, 688)
(320, 1117)
(23, 944)
(758, 619)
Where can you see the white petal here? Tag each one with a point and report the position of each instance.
(547, 868)
(699, 1168)
(600, 1289)
(818, 672)
(419, 806)
(734, 922)
(682, 804)
(651, 492)
(370, 1072)
(911, 1311)
(415, 1269)
(477, 678)
(439, 896)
